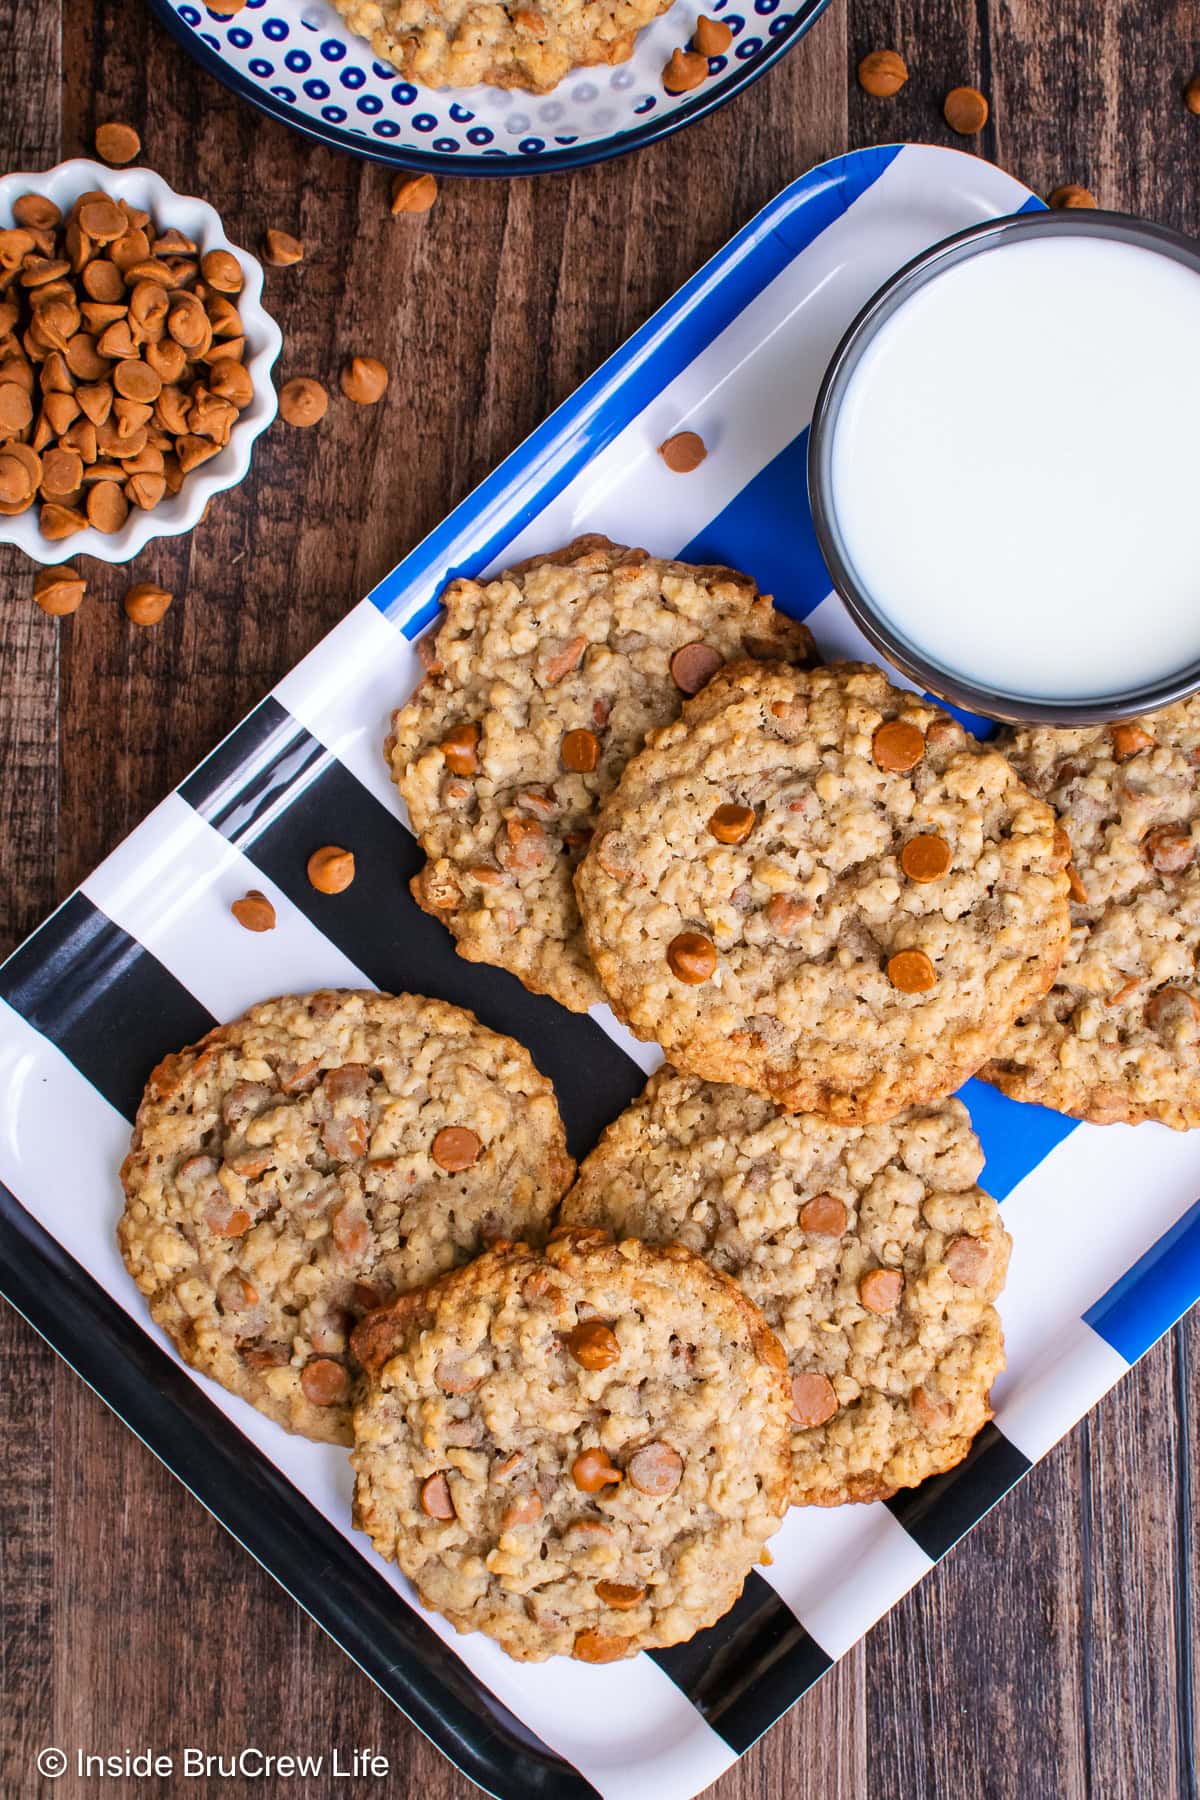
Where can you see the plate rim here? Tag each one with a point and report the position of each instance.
(561, 161)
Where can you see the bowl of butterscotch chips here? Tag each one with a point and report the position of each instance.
(135, 361)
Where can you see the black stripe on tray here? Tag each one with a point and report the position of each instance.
(102, 999)
(943, 1508)
(745, 1671)
(247, 1494)
(279, 794)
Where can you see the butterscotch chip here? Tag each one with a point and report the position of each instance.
(823, 1001)
(230, 381)
(103, 281)
(732, 824)
(59, 522)
(16, 408)
(898, 745)
(882, 73)
(795, 1209)
(145, 603)
(331, 869)
(413, 193)
(222, 270)
(107, 507)
(553, 1552)
(686, 70)
(117, 143)
(145, 490)
(36, 212)
(254, 912)
(62, 473)
(683, 452)
(137, 381)
(59, 591)
(1191, 95)
(15, 484)
(1127, 741)
(712, 37)
(456, 1148)
(289, 1152)
(925, 857)
(103, 220)
(583, 642)
(692, 957)
(694, 664)
(303, 401)
(593, 1345)
(1071, 196)
(281, 250)
(965, 110)
(364, 380)
(880, 1290)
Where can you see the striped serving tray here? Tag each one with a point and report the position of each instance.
(144, 957)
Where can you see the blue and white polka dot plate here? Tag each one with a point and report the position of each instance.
(297, 61)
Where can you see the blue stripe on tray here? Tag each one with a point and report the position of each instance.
(539, 469)
(1149, 1298)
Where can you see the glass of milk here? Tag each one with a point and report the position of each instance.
(1004, 468)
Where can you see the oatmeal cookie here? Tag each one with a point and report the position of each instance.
(580, 1452)
(1117, 1038)
(456, 43)
(820, 887)
(306, 1163)
(542, 684)
(869, 1248)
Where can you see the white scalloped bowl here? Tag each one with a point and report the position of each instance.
(196, 218)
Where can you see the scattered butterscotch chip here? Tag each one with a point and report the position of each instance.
(303, 401)
(579, 751)
(117, 143)
(685, 71)
(732, 824)
(145, 603)
(593, 1345)
(897, 746)
(882, 73)
(59, 591)
(413, 193)
(694, 664)
(712, 37)
(281, 249)
(593, 1470)
(824, 1215)
(1070, 196)
(331, 869)
(814, 1400)
(456, 1148)
(880, 1290)
(692, 958)
(965, 110)
(364, 380)
(925, 857)
(911, 972)
(1191, 95)
(254, 912)
(683, 452)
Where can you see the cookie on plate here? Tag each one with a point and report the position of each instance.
(456, 43)
(307, 1162)
(542, 684)
(818, 886)
(580, 1452)
(869, 1248)
(1118, 1035)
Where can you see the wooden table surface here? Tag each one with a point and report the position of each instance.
(1052, 1654)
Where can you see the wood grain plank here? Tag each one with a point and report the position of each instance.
(29, 1514)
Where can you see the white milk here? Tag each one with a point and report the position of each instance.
(1016, 468)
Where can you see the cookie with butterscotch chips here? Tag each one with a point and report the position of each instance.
(300, 1166)
(580, 1451)
(821, 887)
(542, 683)
(870, 1250)
(504, 43)
(1117, 1038)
